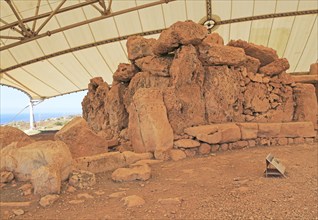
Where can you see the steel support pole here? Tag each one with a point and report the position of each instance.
(32, 122)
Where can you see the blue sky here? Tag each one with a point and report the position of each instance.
(12, 101)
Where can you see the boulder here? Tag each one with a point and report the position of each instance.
(133, 201)
(213, 38)
(183, 33)
(124, 72)
(138, 47)
(81, 139)
(131, 174)
(265, 55)
(276, 67)
(186, 143)
(252, 64)
(93, 104)
(157, 66)
(216, 54)
(22, 161)
(46, 180)
(10, 134)
(176, 155)
(306, 103)
(223, 94)
(149, 128)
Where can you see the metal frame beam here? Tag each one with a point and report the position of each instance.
(36, 14)
(49, 33)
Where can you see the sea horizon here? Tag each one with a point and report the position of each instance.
(6, 118)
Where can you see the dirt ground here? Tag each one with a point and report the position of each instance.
(226, 185)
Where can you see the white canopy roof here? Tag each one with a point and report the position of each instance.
(53, 47)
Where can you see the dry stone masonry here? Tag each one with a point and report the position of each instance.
(188, 90)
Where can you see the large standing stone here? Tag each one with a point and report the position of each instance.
(10, 134)
(184, 100)
(124, 72)
(157, 66)
(223, 94)
(46, 163)
(221, 55)
(265, 55)
(306, 103)
(183, 33)
(93, 104)
(276, 67)
(138, 47)
(81, 140)
(115, 108)
(149, 128)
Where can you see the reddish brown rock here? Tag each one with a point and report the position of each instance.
(299, 140)
(183, 33)
(124, 72)
(204, 148)
(176, 155)
(210, 138)
(213, 38)
(190, 152)
(282, 141)
(93, 104)
(138, 47)
(269, 129)
(184, 99)
(149, 128)
(276, 67)
(223, 94)
(264, 54)
(81, 140)
(306, 103)
(202, 129)
(313, 69)
(186, 143)
(10, 134)
(215, 148)
(252, 64)
(157, 66)
(285, 78)
(297, 129)
(230, 132)
(131, 174)
(255, 98)
(248, 130)
(115, 108)
(221, 55)
(144, 80)
(240, 144)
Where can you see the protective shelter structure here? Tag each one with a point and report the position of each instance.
(53, 47)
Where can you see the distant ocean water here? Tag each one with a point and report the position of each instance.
(7, 118)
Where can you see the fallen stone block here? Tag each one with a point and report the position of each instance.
(131, 174)
(101, 162)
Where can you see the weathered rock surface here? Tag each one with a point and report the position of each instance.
(306, 103)
(149, 128)
(213, 38)
(131, 157)
(10, 134)
(157, 66)
(203, 129)
(138, 47)
(46, 180)
(124, 72)
(6, 177)
(81, 140)
(179, 33)
(221, 55)
(131, 174)
(176, 155)
(48, 200)
(264, 54)
(132, 201)
(276, 67)
(22, 161)
(186, 143)
(252, 64)
(248, 130)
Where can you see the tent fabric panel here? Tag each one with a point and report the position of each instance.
(26, 51)
(104, 29)
(131, 27)
(6, 59)
(196, 10)
(151, 18)
(170, 15)
(53, 44)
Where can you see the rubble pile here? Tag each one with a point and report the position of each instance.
(190, 78)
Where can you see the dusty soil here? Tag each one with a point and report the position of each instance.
(227, 185)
